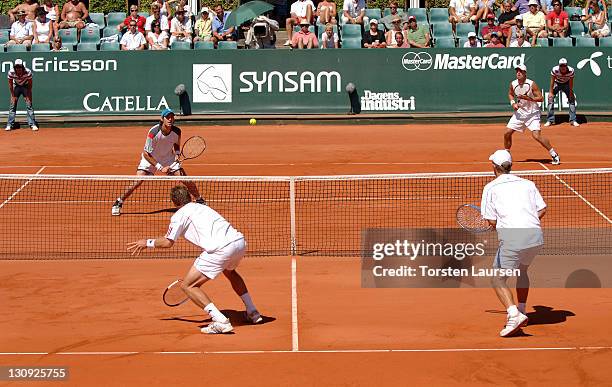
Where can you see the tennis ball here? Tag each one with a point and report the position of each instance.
(253, 121)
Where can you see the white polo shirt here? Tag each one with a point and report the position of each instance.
(20, 30)
(514, 203)
(354, 7)
(202, 226)
(133, 41)
(299, 7)
(163, 23)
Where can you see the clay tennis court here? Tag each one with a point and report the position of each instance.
(105, 320)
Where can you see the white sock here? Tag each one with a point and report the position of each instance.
(522, 307)
(513, 311)
(552, 152)
(120, 200)
(214, 313)
(246, 298)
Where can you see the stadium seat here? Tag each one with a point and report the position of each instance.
(199, 45)
(69, 36)
(420, 14)
(464, 28)
(87, 46)
(443, 30)
(351, 43)
(90, 35)
(387, 11)
(98, 18)
(4, 36)
(113, 19)
(573, 11)
(227, 45)
(605, 42)
(16, 48)
(437, 15)
(178, 45)
(298, 28)
(585, 41)
(481, 25)
(373, 13)
(577, 28)
(562, 42)
(351, 31)
(110, 46)
(40, 47)
(445, 42)
(542, 42)
(144, 14)
(109, 31)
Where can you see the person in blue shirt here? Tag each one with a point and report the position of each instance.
(220, 30)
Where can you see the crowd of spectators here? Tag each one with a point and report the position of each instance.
(516, 24)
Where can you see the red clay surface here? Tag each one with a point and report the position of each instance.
(88, 307)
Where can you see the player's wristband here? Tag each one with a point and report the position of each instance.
(151, 243)
(512, 102)
(158, 166)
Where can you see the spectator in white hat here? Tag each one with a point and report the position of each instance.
(203, 26)
(472, 41)
(515, 29)
(374, 38)
(535, 22)
(561, 80)
(20, 84)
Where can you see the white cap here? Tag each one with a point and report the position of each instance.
(521, 67)
(204, 10)
(471, 34)
(518, 17)
(533, 2)
(18, 62)
(374, 21)
(562, 61)
(501, 156)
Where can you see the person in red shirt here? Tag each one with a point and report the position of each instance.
(557, 21)
(489, 28)
(495, 42)
(140, 20)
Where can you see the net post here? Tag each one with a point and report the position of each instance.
(292, 214)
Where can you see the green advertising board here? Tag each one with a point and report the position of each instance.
(301, 81)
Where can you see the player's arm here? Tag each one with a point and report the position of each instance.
(162, 242)
(551, 87)
(511, 97)
(10, 82)
(537, 93)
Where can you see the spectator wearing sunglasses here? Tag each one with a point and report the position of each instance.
(140, 20)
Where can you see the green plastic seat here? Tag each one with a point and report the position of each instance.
(223, 45)
(199, 45)
(445, 42)
(178, 45)
(351, 43)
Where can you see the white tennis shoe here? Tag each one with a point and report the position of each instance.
(116, 210)
(216, 327)
(513, 325)
(8, 128)
(556, 160)
(574, 123)
(254, 317)
(547, 123)
(34, 128)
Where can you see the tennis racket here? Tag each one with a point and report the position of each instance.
(192, 148)
(174, 295)
(470, 219)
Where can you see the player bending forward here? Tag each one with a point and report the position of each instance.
(514, 207)
(161, 151)
(524, 95)
(223, 248)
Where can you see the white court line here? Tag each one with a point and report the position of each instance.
(20, 188)
(256, 352)
(578, 194)
(294, 307)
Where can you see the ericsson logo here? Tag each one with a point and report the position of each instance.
(417, 61)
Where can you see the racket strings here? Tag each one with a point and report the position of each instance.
(174, 295)
(193, 147)
(469, 218)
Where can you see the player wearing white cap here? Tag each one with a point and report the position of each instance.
(20, 84)
(524, 95)
(513, 206)
(223, 246)
(561, 79)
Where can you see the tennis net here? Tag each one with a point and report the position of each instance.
(61, 216)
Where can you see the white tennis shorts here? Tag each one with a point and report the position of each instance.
(509, 258)
(520, 122)
(226, 258)
(147, 167)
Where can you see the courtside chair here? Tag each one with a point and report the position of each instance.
(542, 42)
(446, 42)
(464, 28)
(199, 45)
(562, 42)
(87, 46)
(98, 18)
(110, 46)
(226, 45)
(351, 31)
(585, 41)
(16, 48)
(113, 19)
(40, 47)
(437, 15)
(605, 42)
(178, 45)
(90, 35)
(373, 13)
(577, 28)
(443, 30)
(351, 43)
(420, 14)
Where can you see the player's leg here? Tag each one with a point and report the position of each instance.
(522, 288)
(508, 138)
(537, 135)
(116, 209)
(12, 113)
(571, 98)
(201, 272)
(550, 116)
(30, 110)
(191, 186)
(507, 259)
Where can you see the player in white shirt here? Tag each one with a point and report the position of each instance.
(514, 206)
(524, 95)
(561, 79)
(161, 151)
(223, 246)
